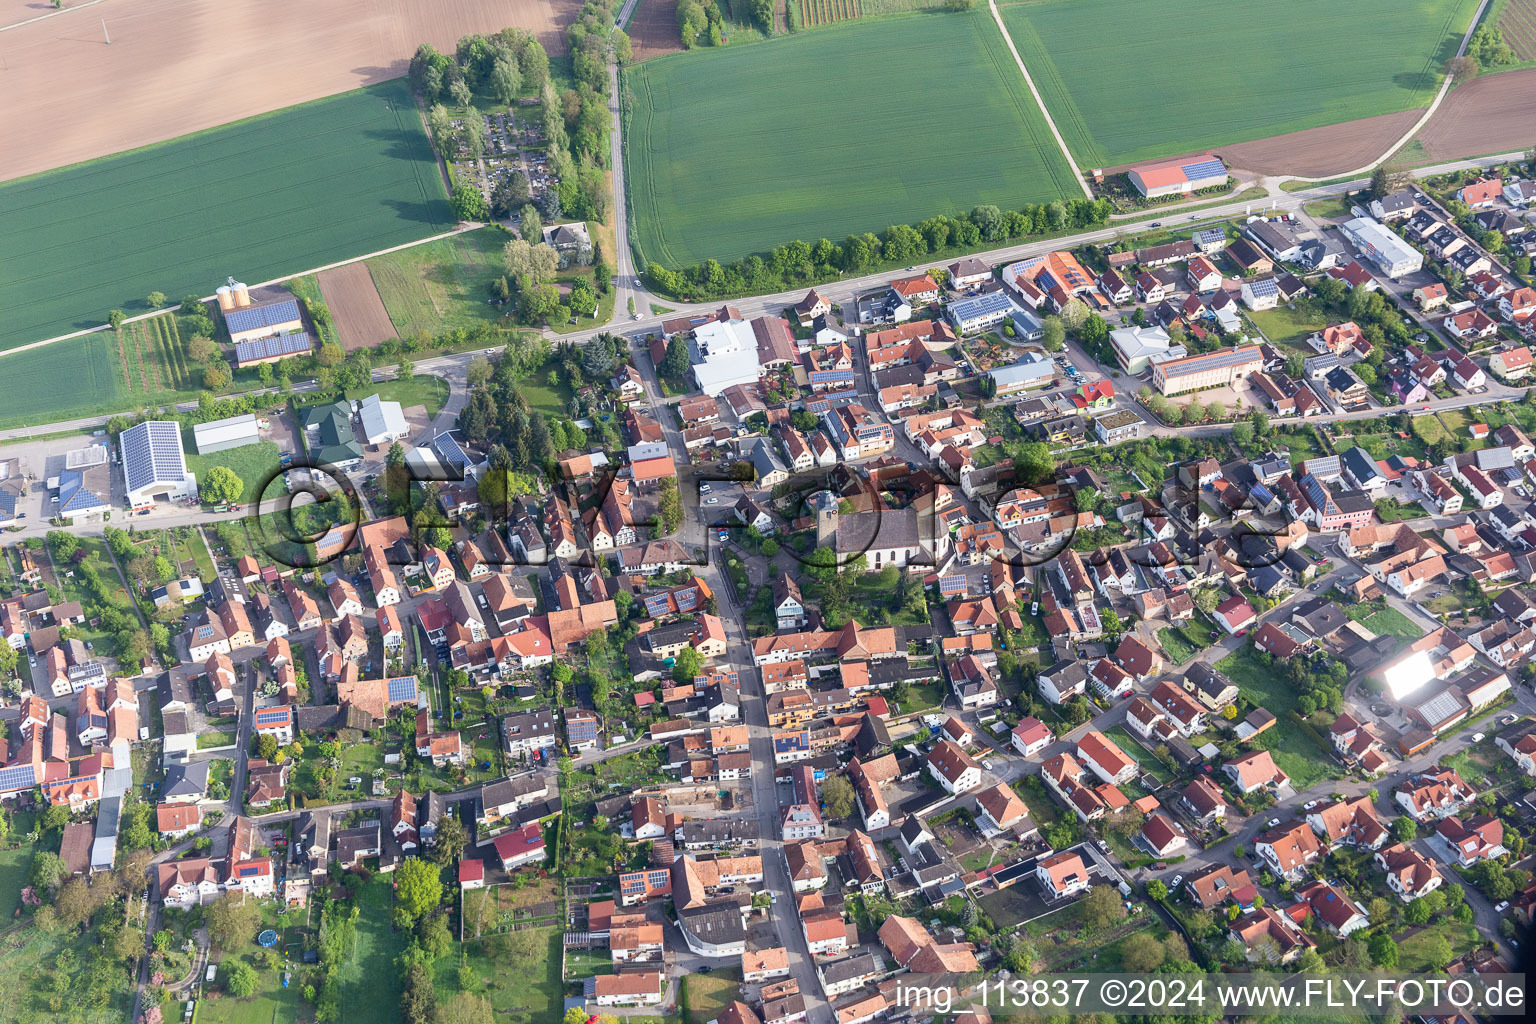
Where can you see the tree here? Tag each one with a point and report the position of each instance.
(1383, 950)
(232, 920)
(221, 485)
(687, 665)
(467, 203)
(529, 224)
(1055, 337)
(47, 868)
(1102, 907)
(1388, 178)
(155, 300)
(1405, 829)
(115, 319)
(669, 508)
(451, 839)
(216, 377)
(1157, 890)
(1035, 462)
(418, 890)
(466, 1008)
(1140, 953)
(1438, 953)
(837, 794)
(418, 996)
(238, 978)
(1459, 69)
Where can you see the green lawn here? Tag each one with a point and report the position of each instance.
(523, 985)
(710, 994)
(442, 285)
(15, 865)
(1287, 328)
(846, 129)
(1119, 82)
(551, 399)
(1184, 641)
(337, 177)
(252, 463)
(1411, 951)
(431, 392)
(1293, 751)
(370, 982)
(1393, 622)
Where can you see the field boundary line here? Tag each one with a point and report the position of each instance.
(51, 14)
(1040, 100)
(461, 229)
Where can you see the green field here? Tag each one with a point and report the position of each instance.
(846, 129)
(74, 377)
(258, 199)
(442, 285)
(1134, 81)
(252, 463)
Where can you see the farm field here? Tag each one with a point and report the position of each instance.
(1517, 23)
(360, 318)
(443, 284)
(76, 377)
(861, 132)
(175, 68)
(357, 175)
(1117, 77)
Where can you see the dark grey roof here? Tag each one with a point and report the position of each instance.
(190, 779)
(888, 528)
(716, 923)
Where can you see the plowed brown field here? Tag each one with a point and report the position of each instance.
(175, 68)
(653, 31)
(1320, 152)
(1490, 114)
(355, 306)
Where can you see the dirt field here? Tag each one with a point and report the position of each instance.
(13, 12)
(355, 306)
(175, 68)
(1492, 114)
(654, 29)
(1518, 25)
(1319, 152)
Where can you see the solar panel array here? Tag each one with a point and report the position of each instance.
(292, 344)
(448, 448)
(20, 776)
(1204, 169)
(402, 688)
(152, 455)
(1264, 287)
(253, 318)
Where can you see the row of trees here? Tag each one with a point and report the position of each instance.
(804, 263)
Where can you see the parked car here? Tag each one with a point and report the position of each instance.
(1501, 907)
(1274, 823)
(1309, 805)
(1178, 880)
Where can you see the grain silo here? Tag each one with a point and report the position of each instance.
(242, 295)
(226, 296)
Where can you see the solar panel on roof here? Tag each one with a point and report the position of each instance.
(1204, 169)
(254, 317)
(21, 776)
(402, 688)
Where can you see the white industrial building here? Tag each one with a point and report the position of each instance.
(221, 435)
(154, 464)
(382, 421)
(1393, 256)
(724, 354)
